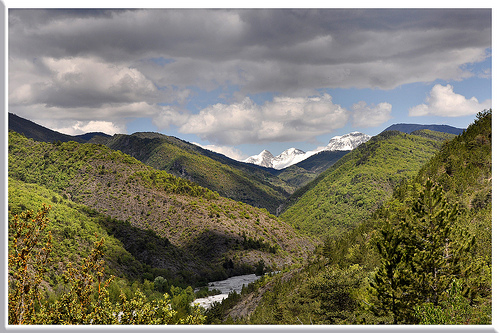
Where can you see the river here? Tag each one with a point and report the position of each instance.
(234, 283)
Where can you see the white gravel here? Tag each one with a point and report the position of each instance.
(234, 283)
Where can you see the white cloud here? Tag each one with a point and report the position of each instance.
(443, 101)
(168, 116)
(230, 152)
(370, 116)
(75, 120)
(81, 127)
(282, 119)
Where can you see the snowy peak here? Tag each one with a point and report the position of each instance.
(265, 159)
(288, 157)
(293, 155)
(347, 141)
(290, 152)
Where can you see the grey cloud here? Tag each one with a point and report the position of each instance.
(288, 52)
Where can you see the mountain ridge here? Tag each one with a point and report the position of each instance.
(292, 156)
(409, 128)
(359, 182)
(206, 227)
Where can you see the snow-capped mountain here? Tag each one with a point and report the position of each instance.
(289, 157)
(347, 141)
(293, 155)
(265, 159)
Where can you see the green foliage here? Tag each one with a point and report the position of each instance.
(419, 255)
(335, 289)
(161, 284)
(86, 300)
(30, 246)
(455, 309)
(231, 179)
(149, 215)
(359, 183)
(423, 257)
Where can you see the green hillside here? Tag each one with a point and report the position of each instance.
(298, 175)
(423, 257)
(360, 182)
(186, 229)
(232, 179)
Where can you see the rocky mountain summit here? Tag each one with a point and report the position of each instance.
(293, 156)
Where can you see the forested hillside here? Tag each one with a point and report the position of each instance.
(232, 179)
(202, 228)
(423, 257)
(405, 221)
(348, 192)
(298, 175)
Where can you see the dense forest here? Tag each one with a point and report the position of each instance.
(398, 231)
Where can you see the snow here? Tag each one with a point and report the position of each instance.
(293, 156)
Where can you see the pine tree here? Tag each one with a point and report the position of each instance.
(433, 264)
(420, 253)
(391, 283)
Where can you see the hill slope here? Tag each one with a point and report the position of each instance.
(360, 182)
(338, 286)
(232, 179)
(409, 128)
(240, 181)
(305, 171)
(40, 133)
(207, 228)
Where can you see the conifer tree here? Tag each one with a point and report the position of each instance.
(433, 263)
(420, 256)
(391, 282)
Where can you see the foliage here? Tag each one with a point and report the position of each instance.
(420, 255)
(455, 309)
(29, 251)
(359, 183)
(87, 299)
(423, 257)
(231, 179)
(160, 225)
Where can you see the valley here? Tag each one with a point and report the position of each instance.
(174, 216)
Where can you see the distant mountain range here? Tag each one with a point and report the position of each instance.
(293, 156)
(39, 133)
(409, 128)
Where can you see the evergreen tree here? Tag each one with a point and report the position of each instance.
(391, 281)
(420, 255)
(433, 262)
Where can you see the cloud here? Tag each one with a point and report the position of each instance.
(104, 65)
(443, 101)
(285, 51)
(74, 119)
(80, 127)
(283, 119)
(370, 116)
(230, 152)
(77, 82)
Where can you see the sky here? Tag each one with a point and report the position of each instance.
(243, 80)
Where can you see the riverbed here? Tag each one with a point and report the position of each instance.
(234, 283)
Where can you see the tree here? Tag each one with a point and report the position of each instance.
(335, 289)
(29, 249)
(420, 255)
(391, 282)
(87, 299)
(433, 264)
